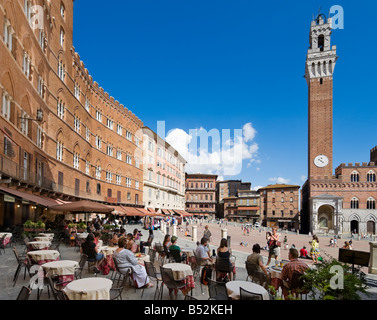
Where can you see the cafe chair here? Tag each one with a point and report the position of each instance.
(197, 267)
(188, 298)
(80, 268)
(262, 279)
(224, 268)
(217, 290)
(2, 243)
(116, 293)
(153, 275)
(251, 268)
(57, 294)
(175, 256)
(152, 255)
(23, 262)
(295, 285)
(247, 295)
(126, 276)
(24, 294)
(169, 281)
(160, 251)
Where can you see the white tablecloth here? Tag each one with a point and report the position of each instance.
(8, 235)
(48, 235)
(142, 258)
(43, 255)
(39, 245)
(61, 268)
(42, 239)
(89, 289)
(108, 251)
(233, 288)
(180, 270)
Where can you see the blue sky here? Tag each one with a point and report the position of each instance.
(234, 64)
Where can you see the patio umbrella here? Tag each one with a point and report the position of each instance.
(83, 206)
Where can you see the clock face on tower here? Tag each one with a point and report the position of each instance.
(321, 161)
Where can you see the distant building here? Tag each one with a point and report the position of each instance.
(280, 206)
(226, 189)
(201, 194)
(164, 174)
(244, 207)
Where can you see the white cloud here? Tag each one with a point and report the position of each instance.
(224, 159)
(279, 180)
(303, 178)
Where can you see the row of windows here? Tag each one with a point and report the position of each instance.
(371, 177)
(370, 205)
(202, 185)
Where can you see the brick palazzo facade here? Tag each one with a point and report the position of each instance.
(344, 202)
(87, 146)
(201, 194)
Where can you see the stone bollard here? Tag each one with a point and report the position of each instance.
(163, 227)
(194, 234)
(373, 258)
(224, 233)
(175, 230)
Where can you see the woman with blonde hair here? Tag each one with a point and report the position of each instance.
(314, 251)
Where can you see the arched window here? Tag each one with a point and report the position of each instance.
(371, 176)
(355, 203)
(371, 204)
(321, 42)
(355, 176)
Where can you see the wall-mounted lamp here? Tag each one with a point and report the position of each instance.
(39, 116)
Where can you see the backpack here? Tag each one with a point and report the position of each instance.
(206, 275)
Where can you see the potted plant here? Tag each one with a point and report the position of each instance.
(107, 228)
(39, 226)
(320, 281)
(29, 226)
(81, 227)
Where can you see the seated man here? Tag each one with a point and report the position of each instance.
(202, 252)
(175, 251)
(304, 253)
(292, 267)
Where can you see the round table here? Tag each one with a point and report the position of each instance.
(233, 289)
(43, 256)
(108, 251)
(38, 245)
(8, 236)
(182, 272)
(42, 239)
(82, 235)
(64, 269)
(89, 289)
(48, 235)
(141, 258)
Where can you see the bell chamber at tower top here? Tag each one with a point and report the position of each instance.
(321, 58)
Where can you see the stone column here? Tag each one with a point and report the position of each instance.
(373, 258)
(194, 234)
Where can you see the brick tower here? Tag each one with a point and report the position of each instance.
(320, 65)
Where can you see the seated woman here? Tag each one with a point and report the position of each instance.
(147, 243)
(115, 238)
(92, 251)
(131, 244)
(223, 263)
(166, 244)
(126, 260)
(175, 251)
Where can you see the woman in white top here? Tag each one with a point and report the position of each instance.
(126, 259)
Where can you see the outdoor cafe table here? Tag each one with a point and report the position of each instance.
(38, 245)
(48, 235)
(65, 269)
(141, 258)
(43, 239)
(233, 289)
(43, 256)
(7, 238)
(182, 272)
(89, 289)
(189, 253)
